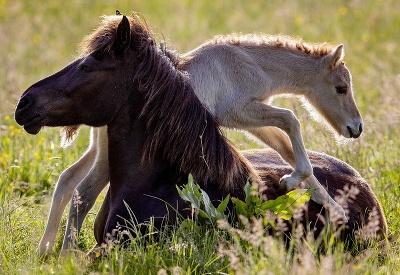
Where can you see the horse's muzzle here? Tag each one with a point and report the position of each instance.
(27, 117)
(355, 133)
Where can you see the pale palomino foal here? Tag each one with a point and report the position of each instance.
(235, 77)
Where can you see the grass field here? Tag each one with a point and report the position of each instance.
(38, 38)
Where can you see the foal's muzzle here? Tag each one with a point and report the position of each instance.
(355, 133)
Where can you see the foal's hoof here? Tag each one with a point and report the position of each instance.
(288, 182)
(338, 213)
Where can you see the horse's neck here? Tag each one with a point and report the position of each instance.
(284, 71)
(125, 144)
(290, 72)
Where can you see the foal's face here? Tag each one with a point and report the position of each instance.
(89, 91)
(333, 96)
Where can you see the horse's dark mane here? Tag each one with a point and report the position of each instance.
(179, 128)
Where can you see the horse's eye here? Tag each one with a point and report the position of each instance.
(85, 68)
(341, 90)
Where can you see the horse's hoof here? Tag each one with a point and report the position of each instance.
(339, 213)
(288, 182)
(44, 251)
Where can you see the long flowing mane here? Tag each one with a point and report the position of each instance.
(293, 44)
(179, 128)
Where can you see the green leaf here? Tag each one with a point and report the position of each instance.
(200, 201)
(300, 196)
(273, 204)
(203, 214)
(224, 204)
(285, 215)
(207, 204)
(241, 207)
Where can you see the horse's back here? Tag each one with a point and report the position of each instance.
(232, 75)
(342, 182)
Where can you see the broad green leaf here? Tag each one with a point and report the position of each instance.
(224, 204)
(208, 206)
(203, 214)
(241, 208)
(301, 196)
(273, 204)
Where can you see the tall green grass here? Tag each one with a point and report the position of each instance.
(38, 38)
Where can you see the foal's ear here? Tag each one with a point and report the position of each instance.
(123, 35)
(332, 60)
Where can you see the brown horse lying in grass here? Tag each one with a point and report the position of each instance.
(158, 132)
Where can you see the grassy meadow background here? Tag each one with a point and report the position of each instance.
(39, 37)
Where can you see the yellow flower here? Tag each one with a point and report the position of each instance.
(299, 20)
(37, 156)
(10, 186)
(342, 10)
(7, 117)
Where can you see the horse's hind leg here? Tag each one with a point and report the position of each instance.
(88, 190)
(67, 182)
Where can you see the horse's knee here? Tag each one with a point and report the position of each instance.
(304, 169)
(292, 126)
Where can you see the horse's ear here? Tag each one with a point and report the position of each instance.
(331, 60)
(123, 35)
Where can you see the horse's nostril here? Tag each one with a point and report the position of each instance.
(360, 128)
(23, 103)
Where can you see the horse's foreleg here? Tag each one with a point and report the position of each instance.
(101, 219)
(279, 141)
(296, 156)
(67, 182)
(88, 189)
(255, 116)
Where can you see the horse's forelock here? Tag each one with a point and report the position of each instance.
(103, 37)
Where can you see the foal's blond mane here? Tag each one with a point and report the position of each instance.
(293, 44)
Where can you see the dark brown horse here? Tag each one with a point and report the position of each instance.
(159, 132)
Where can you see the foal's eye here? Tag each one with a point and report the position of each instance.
(85, 68)
(341, 90)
